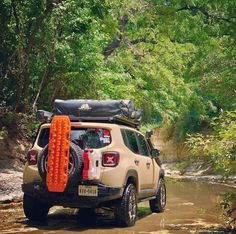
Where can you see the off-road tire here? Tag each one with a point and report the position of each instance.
(158, 204)
(126, 212)
(76, 160)
(34, 209)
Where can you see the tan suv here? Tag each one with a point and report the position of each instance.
(110, 164)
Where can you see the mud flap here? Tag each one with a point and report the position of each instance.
(58, 154)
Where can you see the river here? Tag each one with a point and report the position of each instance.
(192, 207)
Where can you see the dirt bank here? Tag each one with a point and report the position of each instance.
(12, 159)
(14, 145)
(197, 172)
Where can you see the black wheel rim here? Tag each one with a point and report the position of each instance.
(132, 206)
(70, 164)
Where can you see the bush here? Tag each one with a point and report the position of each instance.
(219, 147)
(9, 118)
(228, 205)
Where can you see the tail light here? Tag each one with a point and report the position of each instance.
(32, 157)
(110, 159)
(86, 165)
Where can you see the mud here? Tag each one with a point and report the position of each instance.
(192, 208)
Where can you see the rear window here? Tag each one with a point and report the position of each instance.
(85, 137)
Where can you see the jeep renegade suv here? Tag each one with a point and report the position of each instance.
(92, 164)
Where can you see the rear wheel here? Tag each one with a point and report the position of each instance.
(126, 212)
(159, 203)
(34, 209)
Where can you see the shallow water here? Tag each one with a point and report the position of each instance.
(191, 208)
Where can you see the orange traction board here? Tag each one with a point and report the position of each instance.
(58, 154)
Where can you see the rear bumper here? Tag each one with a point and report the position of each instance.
(70, 197)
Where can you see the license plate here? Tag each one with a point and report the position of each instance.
(85, 190)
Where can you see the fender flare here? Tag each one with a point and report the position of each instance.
(161, 173)
(161, 176)
(132, 174)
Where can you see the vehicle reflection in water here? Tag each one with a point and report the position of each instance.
(191, 208)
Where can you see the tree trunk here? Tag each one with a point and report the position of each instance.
(25, 51)
(47, 70)
(115, 43)
(45, 76)
(21, 101)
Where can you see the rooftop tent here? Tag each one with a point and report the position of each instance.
(103, 110)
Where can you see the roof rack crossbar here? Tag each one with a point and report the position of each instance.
(118, 120)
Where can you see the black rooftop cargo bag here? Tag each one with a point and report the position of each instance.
(97, 109)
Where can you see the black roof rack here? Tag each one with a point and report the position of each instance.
(115, 120)
(45, 116)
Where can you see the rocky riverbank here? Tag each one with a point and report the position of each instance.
(10, 185)
(197, 172)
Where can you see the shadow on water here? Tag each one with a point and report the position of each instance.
(68, 219)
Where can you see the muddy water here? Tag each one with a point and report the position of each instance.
(192, 208)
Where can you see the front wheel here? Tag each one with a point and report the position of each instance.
(159, 203)
(126, 212)
(34, 209)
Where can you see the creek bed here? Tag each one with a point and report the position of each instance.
(192, 207)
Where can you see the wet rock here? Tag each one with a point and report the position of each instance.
(5, 199)
(10, 185)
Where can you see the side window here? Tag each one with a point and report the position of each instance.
(125, 139)
(129, 138)
(43, 137)
(143, 148)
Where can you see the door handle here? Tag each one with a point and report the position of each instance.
(148, 163)
(136, 161)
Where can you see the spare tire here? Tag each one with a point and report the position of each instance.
(75, 164)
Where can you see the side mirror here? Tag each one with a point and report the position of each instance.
(155, 153)
(149, 133)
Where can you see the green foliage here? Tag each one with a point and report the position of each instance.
(174, 59)
(30, 126)
(228, 205)
(146, 127)
(220, 147)
(9, 118)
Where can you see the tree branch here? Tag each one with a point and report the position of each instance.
(38, 24)
(195, 9)
(13, 4)
(115, 43)
(143, 39)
